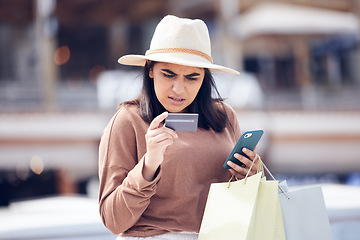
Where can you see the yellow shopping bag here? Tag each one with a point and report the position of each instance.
(248, 209)
(268, 219)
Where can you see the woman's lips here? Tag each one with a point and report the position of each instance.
(176, 101)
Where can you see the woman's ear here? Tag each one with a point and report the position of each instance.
(151, 72)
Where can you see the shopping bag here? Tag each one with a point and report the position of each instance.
(248, 209)
(304, 214)
(268, 217)
(279, 223)
(229, 210)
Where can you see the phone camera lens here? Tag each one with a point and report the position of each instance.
(247, 135)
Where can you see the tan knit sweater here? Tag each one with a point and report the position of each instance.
(175, 200)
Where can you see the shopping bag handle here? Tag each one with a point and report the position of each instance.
(260, 169)
(281, 189)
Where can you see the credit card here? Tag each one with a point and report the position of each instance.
(187, 122)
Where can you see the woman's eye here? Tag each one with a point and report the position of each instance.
(168, 75)
(192, 78)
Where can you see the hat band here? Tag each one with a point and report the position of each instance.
(180, 50)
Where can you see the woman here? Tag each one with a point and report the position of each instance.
(154, 181)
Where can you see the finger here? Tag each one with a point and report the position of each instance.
(157, 120)
(171, 131)
(249, 153)
(159, 143)
(252, 156)
(241, 172)
(237, 169)
(160, 130)
(243, 159)
(160, 138)
(248, 163)
(236, 174)
(255, 168)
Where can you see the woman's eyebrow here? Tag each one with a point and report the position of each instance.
(193, 75)
(172, 73)
(168, 71)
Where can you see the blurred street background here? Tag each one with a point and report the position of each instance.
(60, 83)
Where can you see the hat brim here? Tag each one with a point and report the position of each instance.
(175, 58)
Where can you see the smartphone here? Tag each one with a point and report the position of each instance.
(247, 140)
(182, 121)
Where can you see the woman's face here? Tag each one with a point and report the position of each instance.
(176, 86)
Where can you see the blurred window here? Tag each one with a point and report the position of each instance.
(273, 72)
(6, 62)
(332, 61)
(88, 47)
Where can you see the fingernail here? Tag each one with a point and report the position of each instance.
(236, 155)
(245, 149)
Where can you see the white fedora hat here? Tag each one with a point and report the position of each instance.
(180, 41)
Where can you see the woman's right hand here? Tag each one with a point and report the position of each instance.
(158, 138)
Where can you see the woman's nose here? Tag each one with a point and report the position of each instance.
(178, 86)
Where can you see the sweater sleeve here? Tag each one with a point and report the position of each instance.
(124, 194)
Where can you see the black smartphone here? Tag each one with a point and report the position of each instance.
(249, 140)
(182, 121)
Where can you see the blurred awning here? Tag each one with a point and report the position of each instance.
(289, 19)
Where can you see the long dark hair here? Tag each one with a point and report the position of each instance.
(207, 103)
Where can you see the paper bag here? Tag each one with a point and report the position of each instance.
(247, 210)
(305, 215)
(229, 210)
(268, 221)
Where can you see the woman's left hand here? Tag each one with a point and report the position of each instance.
(240, 172)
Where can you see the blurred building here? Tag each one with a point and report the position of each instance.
(52, 51)
(304, 55)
